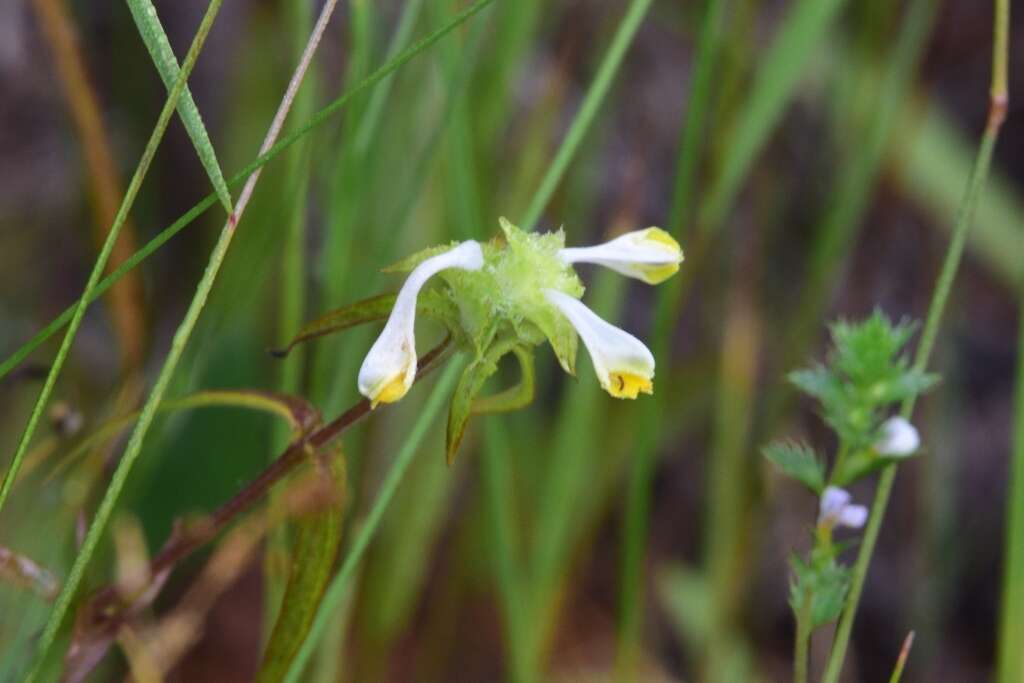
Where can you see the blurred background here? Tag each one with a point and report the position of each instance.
(820, 180)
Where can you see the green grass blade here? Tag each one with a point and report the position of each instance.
(181, 337)
(497, 479)
(1011, 624)
(101, 261)
(313, 553)
(367, 530)
(286, 141)
(153, 35)
(803, 30)
(588, 110)
(634, 530)
(370, 122)
(698, 104)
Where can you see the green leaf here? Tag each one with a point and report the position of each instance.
(314, 552)
(824, 583)
(160, 50)
(513, 398)
(464, 403)
(869, 349)
(431, 303)
(461, 406)
(798, 461)
(818, 381)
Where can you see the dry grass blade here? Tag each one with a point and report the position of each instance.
(25, 573)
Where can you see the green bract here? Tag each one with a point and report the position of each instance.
(499, 298)
(505, 299)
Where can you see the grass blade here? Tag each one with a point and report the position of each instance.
(153, 35)
(368, 529)
(588, 110)
(668, 300)
(313, 553)
(1011, 623)
(189, 216)
(802, 31)
(101, 261)
(181, 338)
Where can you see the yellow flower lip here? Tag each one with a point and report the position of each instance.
(623, 364)
(628, 385)
(390, 392)
(651, 255)
(389, 368)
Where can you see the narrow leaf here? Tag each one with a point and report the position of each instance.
(513, 398)
(160, 50)
(313, 554)
(461, 407)
(431, 303)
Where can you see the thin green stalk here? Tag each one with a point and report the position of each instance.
(293, 261)
(634, 530)
(108, 246)
(803, 641)
(370, 122)
(291, 307)
(148, 23)
(1011, 625)
(698, 104)
(997, 113)
(497, 479)
(729, 478)
(368, 529)
(189, 216)
(181, 337)
(588, 109)
(901, 661)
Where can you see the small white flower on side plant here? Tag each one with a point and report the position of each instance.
(899, 438)
(836, 509)
(650, 255)
(390, 367)
(624, 366)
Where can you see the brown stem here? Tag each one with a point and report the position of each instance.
(105, 606)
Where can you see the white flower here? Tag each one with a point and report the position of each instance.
(624, 366)
(650, 255)
(899, 438)
(390, 367)
(837, 510)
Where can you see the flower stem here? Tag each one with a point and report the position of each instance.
(803, 640)
(997, 113)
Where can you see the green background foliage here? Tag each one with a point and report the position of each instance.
(812, 157)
